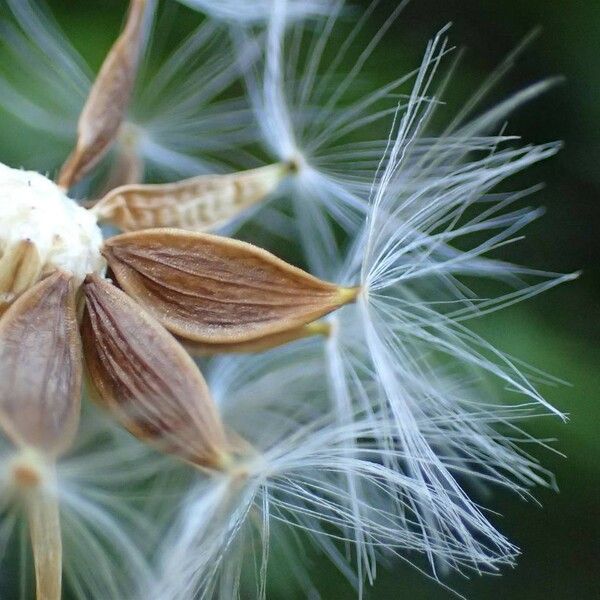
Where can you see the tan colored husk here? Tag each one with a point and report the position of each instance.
(41, 367)
(20, 267)
(319, 328)
(197, 204)
(105, 107)
(215, 290)
(140, 373)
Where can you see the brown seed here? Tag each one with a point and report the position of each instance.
(147, 380)
(40, 367)
(197, 204)
(20, 268)
(105, 107)
(216, 290)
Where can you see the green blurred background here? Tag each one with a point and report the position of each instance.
(558, 332)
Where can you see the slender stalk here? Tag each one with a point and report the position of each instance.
(44, 527)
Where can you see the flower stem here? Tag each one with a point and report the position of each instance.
(44, 526)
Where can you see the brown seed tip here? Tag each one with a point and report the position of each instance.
(25, 476)
(346, 295)
(296, 163)
(27, 469)
(234, 466)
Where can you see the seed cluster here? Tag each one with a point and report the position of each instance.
(345, 404)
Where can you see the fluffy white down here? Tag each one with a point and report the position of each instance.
(34, 208)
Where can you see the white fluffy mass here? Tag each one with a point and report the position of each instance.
(35, 209)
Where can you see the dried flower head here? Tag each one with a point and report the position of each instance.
(203, 288)
(361, 434)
